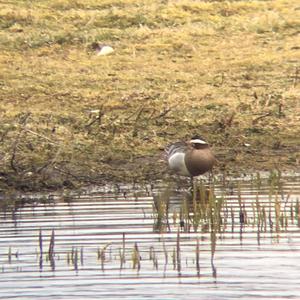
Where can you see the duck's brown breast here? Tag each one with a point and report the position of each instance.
(199, 161)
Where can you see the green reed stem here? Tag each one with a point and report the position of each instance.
(178, 254)
(198, 257)
(136, 258)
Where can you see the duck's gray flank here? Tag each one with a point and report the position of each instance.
(176, 154)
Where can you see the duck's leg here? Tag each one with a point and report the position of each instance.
(192, 187)
(211, 177)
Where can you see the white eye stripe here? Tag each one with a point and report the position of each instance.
(198, 141)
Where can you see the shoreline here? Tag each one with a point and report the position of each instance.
(143, 169)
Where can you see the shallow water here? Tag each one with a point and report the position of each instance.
(100, 235)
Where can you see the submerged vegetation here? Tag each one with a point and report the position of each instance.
(228, 70)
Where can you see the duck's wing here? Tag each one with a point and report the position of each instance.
(178, 147)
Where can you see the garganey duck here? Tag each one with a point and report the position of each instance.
(190, 158)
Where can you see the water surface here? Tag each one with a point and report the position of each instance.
(108, 243)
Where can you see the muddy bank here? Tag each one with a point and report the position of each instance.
(146, 169)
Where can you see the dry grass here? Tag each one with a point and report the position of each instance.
(227, 70)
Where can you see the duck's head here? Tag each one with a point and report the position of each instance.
(197, 142)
